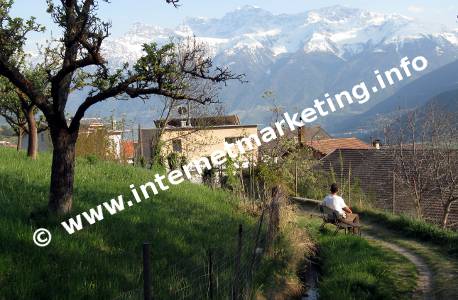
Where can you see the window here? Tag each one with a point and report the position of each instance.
(232, 140)
(177, 146)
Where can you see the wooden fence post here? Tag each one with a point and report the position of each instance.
(295, 178)
(236, 291)
(253, 258)
(256, 242)
(349, 184)
(147, 290)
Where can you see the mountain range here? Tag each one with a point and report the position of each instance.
(413, 95)
(299, 57)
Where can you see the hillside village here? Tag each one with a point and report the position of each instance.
(371, 165)
(220, 157)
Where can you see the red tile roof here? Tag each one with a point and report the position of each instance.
(128, 149)
(328, 146)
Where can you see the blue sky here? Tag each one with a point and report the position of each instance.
(123, 13)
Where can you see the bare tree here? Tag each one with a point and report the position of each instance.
(412, 160)
(443, 131)
(75, 61)
(425, 146)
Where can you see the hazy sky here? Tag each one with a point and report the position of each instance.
(123, 13)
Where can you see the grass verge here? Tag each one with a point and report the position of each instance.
(410, 227)
(443, 267)
(353, 268)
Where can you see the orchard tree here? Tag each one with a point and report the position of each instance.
(76, 61)
(11, 111)
(21, 114)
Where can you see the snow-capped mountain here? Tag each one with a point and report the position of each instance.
(339, 30)
(299, 56)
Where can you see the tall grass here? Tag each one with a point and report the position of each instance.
(103, 261)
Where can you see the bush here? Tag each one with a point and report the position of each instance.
(96, 143)
(176, 161)
(92, 159)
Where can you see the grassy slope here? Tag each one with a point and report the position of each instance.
(353, 268)
(103, 261)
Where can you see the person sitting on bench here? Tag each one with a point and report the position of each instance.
(336, 203)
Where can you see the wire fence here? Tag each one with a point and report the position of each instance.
(220, 273)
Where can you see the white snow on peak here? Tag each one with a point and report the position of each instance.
(337, 29)
(451, 37)
(319, 43)
(248, 7)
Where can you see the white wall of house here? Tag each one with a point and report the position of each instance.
(115, 139)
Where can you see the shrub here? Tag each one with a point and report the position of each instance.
(92, 159)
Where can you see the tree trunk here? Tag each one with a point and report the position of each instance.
(418, 210)
(274, 216)
(19, 139)
(63, 170)
(32, 148)
(446, 213)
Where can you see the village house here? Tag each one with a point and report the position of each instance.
(195, 137)
(88, 126)
(7, 144)
(318, 141)
(323, 147)
(310, 134)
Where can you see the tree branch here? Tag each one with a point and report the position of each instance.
(18, 79)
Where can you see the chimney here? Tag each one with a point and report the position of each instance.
(376, 144)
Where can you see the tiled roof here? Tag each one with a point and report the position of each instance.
(328, 146)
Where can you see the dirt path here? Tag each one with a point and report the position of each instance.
(425, 275)
(371, 232)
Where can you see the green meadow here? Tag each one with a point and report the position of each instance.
(104, 260)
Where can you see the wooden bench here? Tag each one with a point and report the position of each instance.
(330, 216)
